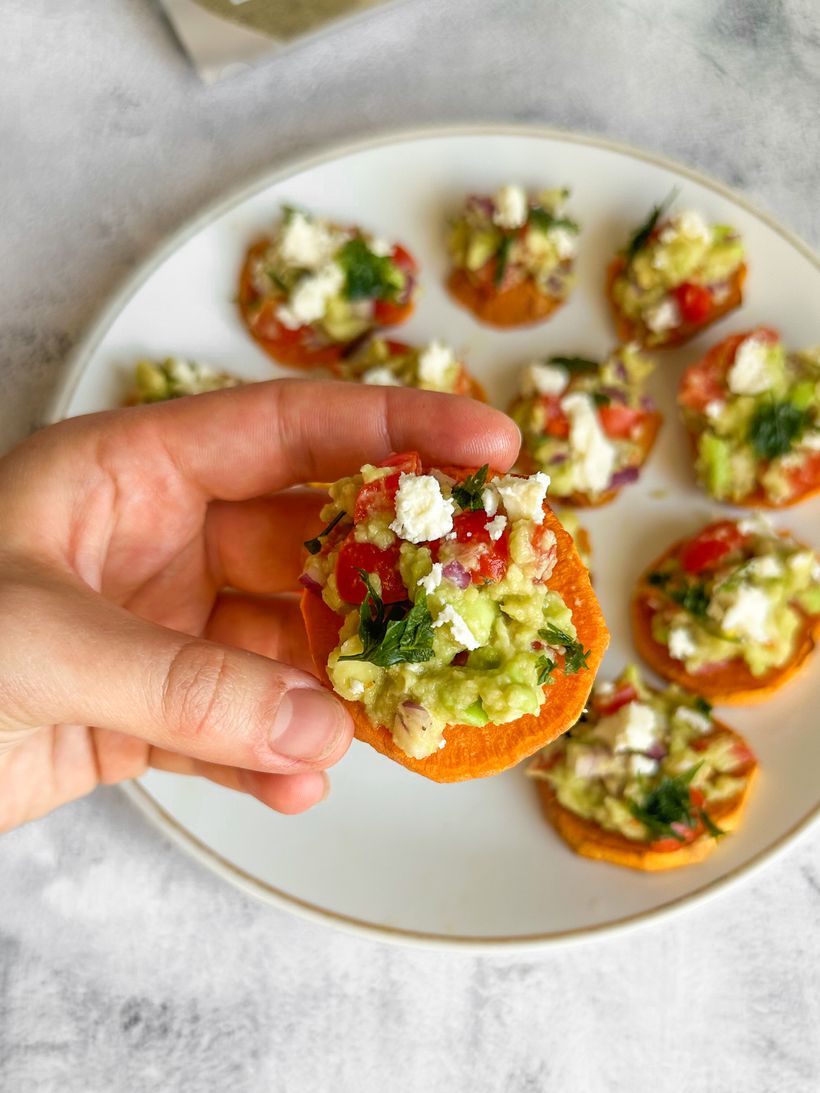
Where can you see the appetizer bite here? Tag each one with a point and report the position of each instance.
(647, 779)
(752, 411)
(158, 381)
(315, 288)
(512, 256)
(732, 613)
(579, 534)
(676, 276)
(451, 611)
(588, 424)
(389, 363)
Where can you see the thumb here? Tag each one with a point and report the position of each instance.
(69, 656)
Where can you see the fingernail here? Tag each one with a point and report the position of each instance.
(308, 724)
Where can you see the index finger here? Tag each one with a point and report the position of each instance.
(263, 437)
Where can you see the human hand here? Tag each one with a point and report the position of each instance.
(148, 564)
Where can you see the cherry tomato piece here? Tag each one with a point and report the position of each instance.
(381, 493)
(383, 563)
(484, 558)
(694, 301)
(712, 544)
(556, 422)
(619, 421)
(606, 704)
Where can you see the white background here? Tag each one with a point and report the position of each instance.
(122, 964)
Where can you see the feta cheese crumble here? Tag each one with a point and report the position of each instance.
(489, 499)
(714, 409)
(663, 316)
(511, 207)
(693, 719)
(434, 363)
(633, 727)
(433, 579)
(593, 455)
(748, 616)
(495, 527)
(749, 374)
(523, 498)
(307, 244)
(462, 634)
(681, 643)
(381, 376)
(643, 764)
(544, 379)
(423, 513)
(688, 223)
(766, 567)
(309, 298)
(564, 243)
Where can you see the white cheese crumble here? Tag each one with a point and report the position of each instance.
(748, 616)
(461, 632)
(681, 643)
(749, 374)
(511, 207)
(643, 764)
(307, 244)
(766, 567)
(544, 379)
(811, 442)
(663, 316)
(593, 455)
(489, 499)
(434, 363)
(714, 409)
(433, 579)
(633, 727)
(759, 524)
(380, 247)
(381, 376)
(309, 298)
(693, 719)
(356, 687)
(495, 527)
(423, 513)
(564, 242)
(523, 498)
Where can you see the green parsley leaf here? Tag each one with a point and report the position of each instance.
(313, 546)
(640, 237)
(575, 364)
(657, 580)
(575, 656)
(775, 427)
(467, 494)
(710, 825)
(601, 398)
(501, 259)
(544, 221)
(368, 276)
(401, 635)
(702, 706)
(692, 597)
(545, 667)
(670, 802)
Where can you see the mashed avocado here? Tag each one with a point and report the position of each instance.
(633, 760)
(746, 607)
(457, 624)
(392, 364)
(158, 381)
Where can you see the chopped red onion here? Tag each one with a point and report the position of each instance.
(310, 583)
(620, 370)
(559, 457)
(411, 717)
(680, 829)
(656, 751)
(648, 403)
(456, 574)
(616, 394)
(624, 477)
(481, 204)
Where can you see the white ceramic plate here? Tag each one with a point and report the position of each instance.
(391, 853)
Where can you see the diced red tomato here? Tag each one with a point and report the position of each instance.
(381, 493)
(710, 546)
(384, 563)
(606, 704)
(619, 421)
(556, 422)
(404, 260)
(694, 301)
(484, 558)
(546, 552)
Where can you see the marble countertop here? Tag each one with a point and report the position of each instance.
(123, 964)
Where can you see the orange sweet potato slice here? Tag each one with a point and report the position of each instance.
(590, 840)
(473, 752)
(629, 330)
(729, 683)
(519, 305)
(649, 429)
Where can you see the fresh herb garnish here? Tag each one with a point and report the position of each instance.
(702, 706)
(546, 666)
(670, 802)
(501, 259)
(542, 220)
(601, 398)
(657, 580)
(403, 634)
(575, 364)
(368, 276)
(575, 656)
(467, 494)
(640, 237)
(692, 598)
(313, 546)
(775, 427)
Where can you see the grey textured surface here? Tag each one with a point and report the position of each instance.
(124, 966)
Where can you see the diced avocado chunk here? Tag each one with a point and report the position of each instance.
(480, 248)
(715, 464)
(474, 714)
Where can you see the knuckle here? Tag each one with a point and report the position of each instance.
(196, 694)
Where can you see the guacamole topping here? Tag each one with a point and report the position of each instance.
(441, 580)
(586, 422)
(158, 381)
(512, 237)
(737, 590)
(676, 271)
(433, 367)
(650, 765)
(754, 411)
(339, 282)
